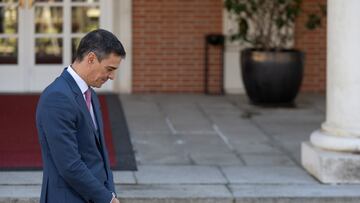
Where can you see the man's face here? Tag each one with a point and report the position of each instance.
(100, 72)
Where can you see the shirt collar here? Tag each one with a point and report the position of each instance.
(79, 81)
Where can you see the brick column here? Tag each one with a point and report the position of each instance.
(168, 45)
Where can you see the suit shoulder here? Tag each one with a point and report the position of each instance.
(57, 93)
(59, 84)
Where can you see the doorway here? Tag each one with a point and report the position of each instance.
(38, 39)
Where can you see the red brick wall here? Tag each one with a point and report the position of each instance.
(313, 43)
(168, 44)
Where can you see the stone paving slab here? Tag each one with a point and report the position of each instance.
(204, 143)
(286, 125)
(124, 177)
(267, 160)
(173, 191)
(141, 108)
(147, 124)
(297, 137)
(19, 200)
(179, 175)
(295, 190)
(190, 123)
(240, 129)
(293, 149)
(222, 112)
(267, 175)
(12, 178)
(297, 200)
(215, 158)
(20, 191)
(161, 155)
(159, 149)
(20, 177)
(260, 148)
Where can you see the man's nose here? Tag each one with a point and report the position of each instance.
(111, 76)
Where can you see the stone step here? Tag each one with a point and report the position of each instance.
(199, 184)
(209, 200)
(181, 193)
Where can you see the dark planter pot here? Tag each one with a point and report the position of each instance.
(272, 77)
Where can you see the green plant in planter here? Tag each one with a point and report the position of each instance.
(271, 71)
(269, 24)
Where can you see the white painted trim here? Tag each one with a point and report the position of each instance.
(106, 10)
(67, 33)
(106, 17)
(232, 75)
(123, 30)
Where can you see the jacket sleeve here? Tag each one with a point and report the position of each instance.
(59, 121)
(112, 184)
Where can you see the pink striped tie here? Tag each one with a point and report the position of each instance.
(88, 98)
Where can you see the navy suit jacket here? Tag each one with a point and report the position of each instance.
(75, 160)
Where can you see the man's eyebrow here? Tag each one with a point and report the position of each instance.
(112, 67)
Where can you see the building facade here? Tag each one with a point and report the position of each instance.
(164, 40)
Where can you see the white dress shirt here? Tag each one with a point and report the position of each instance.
(83, 87)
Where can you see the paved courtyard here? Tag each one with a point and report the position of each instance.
(199, 148)
(219, 130)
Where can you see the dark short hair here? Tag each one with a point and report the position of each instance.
(102, 43)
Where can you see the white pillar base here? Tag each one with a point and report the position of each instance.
(330, 166)
(325, 140)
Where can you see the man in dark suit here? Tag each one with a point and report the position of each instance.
(70, 127)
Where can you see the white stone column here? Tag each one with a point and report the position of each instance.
(333, 153)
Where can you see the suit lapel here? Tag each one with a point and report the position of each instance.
(97, 112)
(80, 100)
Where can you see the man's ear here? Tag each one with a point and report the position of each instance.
(91, 57)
